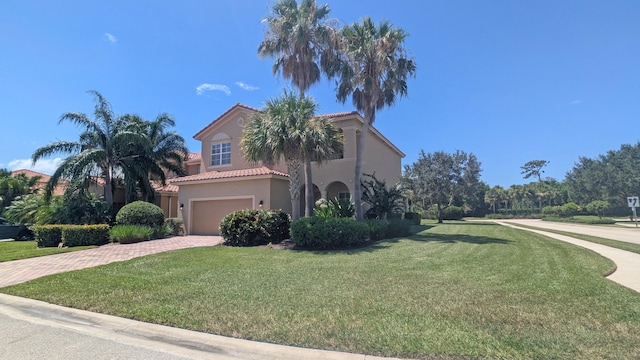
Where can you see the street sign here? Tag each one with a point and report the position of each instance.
(633, 201)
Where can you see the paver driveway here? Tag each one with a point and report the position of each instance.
(19, 271)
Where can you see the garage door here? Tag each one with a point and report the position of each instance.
(206, 215)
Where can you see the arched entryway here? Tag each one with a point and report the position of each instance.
(338, 190)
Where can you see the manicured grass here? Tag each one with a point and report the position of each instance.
(622, 245)
(463, 290)
(15, 250)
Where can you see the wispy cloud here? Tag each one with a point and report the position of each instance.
(576, 102)
(46, 166)
(110, 38)
(246, 86)
(212, 87)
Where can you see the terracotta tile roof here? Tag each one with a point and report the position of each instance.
(237, 105)
(168, 187)
(214, 175)
(44, 179)
(339, 114)
(247, 107)
(194, 156)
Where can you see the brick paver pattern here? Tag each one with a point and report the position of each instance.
(19, 271)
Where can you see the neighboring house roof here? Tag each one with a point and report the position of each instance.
(44, 179)
(194, 156)
(217, 175)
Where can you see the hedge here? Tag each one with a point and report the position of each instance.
(328, 233)
(255, 227)
(71, 235)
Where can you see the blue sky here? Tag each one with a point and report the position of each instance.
(510, 81)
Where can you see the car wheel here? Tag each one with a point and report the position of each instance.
(25, 235)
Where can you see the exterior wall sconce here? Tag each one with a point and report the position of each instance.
(181, 207)
(260, 204)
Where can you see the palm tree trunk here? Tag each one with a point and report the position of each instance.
(108, 183)
(308, 190)
(357, 191)
(293, 167)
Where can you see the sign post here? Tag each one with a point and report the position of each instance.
(633, 202)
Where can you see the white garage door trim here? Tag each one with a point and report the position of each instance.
(192, 201)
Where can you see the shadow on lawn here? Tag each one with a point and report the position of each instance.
(420, 234)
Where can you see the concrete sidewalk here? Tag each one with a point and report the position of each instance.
(627, 272)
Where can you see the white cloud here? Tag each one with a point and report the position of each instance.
(576, 102)
(246, 86)
(45, 166)
(212, 87)
(110, 38)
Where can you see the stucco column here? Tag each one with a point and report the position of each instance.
(323, 194)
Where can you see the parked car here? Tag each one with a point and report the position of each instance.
(14, 231)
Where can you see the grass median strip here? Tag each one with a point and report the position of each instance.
(454, 290)
(16, 250)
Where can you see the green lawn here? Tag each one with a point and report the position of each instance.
(463, 290)
(16, 250)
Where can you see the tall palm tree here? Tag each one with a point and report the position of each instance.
(304, 43)
(285, 129)
(373, 70)
(302, 40)
(98, 148)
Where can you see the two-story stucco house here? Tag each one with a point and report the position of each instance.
(222, 181)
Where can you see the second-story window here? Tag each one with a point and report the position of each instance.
(221, 154)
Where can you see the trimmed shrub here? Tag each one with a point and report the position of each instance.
(129, 234)
(328, 233)
(590, 221)
(175, 226)
(140, 213)
(377, 229)
(414, 217)
(569, 209)
(452, 213)
(598, 207)
(85, 235)
(398, 227)
(255, 227)
(48, 235)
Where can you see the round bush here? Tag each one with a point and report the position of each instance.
(255, 227)
(452, 213)
(141, 213)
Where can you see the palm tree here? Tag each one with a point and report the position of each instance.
(285, 130)
(301, 39)
(14, 186)
(373, 70)
(160, 153)
(99, 148)
(304, 44)
(322, 142)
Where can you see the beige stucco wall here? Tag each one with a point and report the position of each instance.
(232, 125)
(268, 189)
(168, 202)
